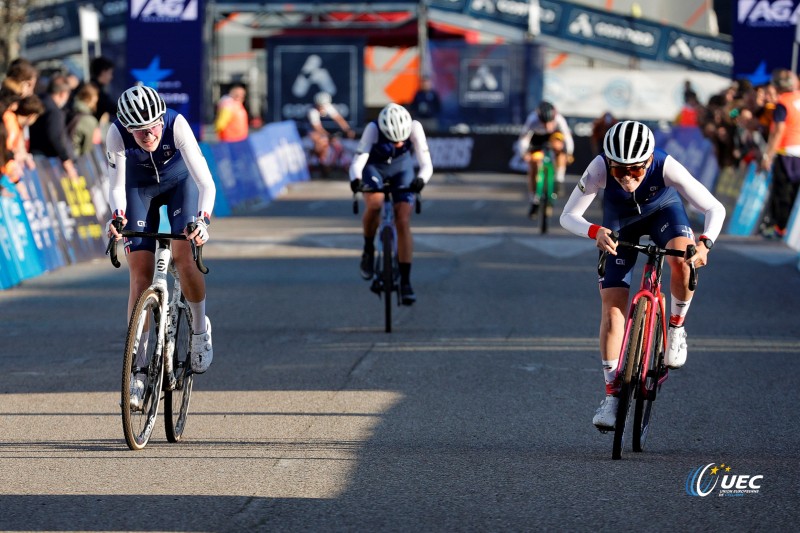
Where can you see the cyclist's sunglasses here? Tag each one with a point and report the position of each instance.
(634, 171)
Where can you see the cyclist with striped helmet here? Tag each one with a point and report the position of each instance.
(642, 190)
(154, 160)
(385, 152)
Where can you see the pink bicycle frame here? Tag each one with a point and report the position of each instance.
(651, 290)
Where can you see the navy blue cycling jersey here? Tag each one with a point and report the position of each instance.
(384, 150)
(145, 168)
(620, 207)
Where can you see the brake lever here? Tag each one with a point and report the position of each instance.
(691, 250)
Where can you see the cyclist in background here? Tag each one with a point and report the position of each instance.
(538, 128)
(384, 153)
(642, 187)
(152, 153)
(324, 146)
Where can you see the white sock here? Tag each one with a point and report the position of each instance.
(561, 174)
(610, 370)
(678, 310)
(198, 316)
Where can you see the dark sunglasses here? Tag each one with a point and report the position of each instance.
(635, 171)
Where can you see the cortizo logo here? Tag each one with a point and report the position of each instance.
(163, 10)
(704, 480)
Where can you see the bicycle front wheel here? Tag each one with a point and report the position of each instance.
(176, 399)
(643, 411)
(630, 374)
(142, 370)
(387, 242)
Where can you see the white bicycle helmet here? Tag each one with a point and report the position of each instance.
(394, 122)
(322, 98)
(628, 143)
(139, 107)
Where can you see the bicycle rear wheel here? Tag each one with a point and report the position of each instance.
(547, 190)
(387, 242)
(142, 360)
(630, 374)
(643, 411)
(176, 400)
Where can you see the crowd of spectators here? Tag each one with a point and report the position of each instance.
(54, 115)
(738, 122)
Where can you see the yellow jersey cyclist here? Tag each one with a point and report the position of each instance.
(385, 153)
(152, 154)
(539, 128)
(642, 189)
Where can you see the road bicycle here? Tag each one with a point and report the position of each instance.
(386, 278)
(545, 183)
(641, 370)
(158, 346)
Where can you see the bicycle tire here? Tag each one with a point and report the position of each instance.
(387, 242)
(176, 400)
(630, 375)
(545, 195)
(643, 411)
(137, 426)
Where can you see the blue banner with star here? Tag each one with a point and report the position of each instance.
(165, 51)
(763, 38)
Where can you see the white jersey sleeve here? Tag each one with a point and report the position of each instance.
(422, 151)
(186, 142)
(677, 176)
(592, 181)
(368, 139)
(115, 156)
(563, 127)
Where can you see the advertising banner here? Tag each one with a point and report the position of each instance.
(485, 84)
(747, 213)
(692, 150)
(298, 71)
(221, 207)
(165, 52)
(237, 176)
(645, 95)
(19, 250)
(280, 156)
(76, 215)
(628, 35)
(763, 37)
(41, 219)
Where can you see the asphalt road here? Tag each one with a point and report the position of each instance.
(473, 415)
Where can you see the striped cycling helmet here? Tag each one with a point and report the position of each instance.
(139, 107)
(395, 122)
(628, 143)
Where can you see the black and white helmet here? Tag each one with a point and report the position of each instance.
(394, 121)
(546, 111)
(628, 143)
(139, 107)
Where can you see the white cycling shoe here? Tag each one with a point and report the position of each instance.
(137, 393)
(676, 347)
(202, 351)
(606, 416)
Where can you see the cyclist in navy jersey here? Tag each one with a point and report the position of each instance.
(642, 187)
(385, 152)
(154, 160)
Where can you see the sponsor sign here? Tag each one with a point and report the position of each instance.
(173, 66)
(763, 37)
(747, 213)
(299, 71)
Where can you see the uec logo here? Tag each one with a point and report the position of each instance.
(703, 480)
